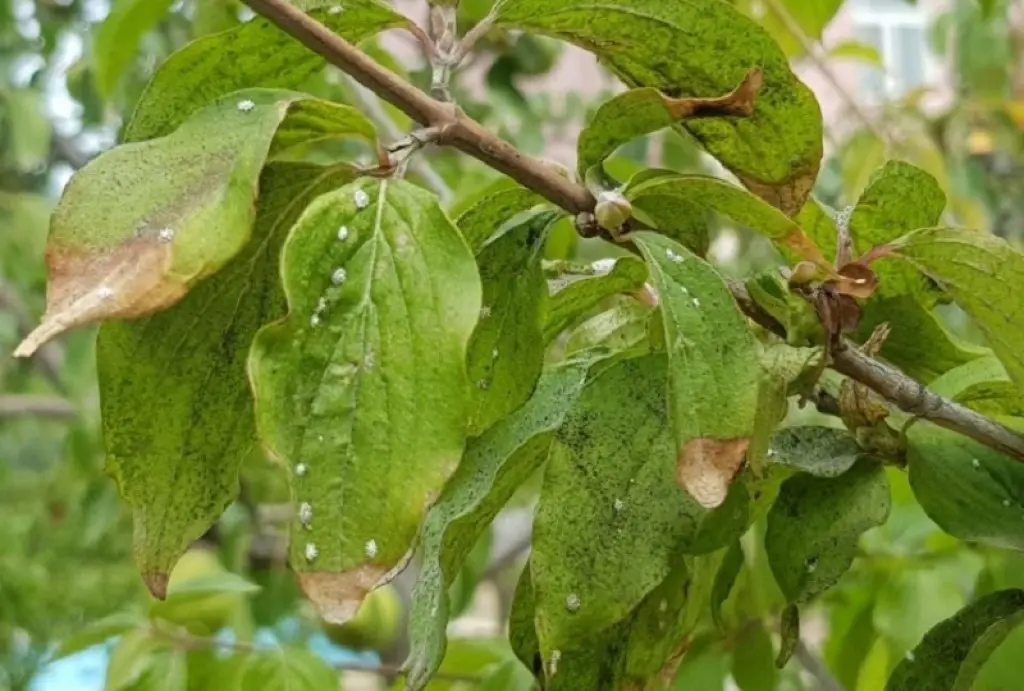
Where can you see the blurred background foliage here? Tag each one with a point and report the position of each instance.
(70, 73)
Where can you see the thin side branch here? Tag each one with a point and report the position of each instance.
(29, 405)
(467, 135)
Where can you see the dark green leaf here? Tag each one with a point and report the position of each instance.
(362, 390)
(815, 525)
(578, 298)
(506, 353)
(177, 411)
(133, 230)
(753, 660)
(951, 655)
(609, 482)
(493, 467)
(253, 54)
(714, 371)
(675, 48)
(984, 274)
(724, 580)
(789, 635)
(824, 452)
(117, 39)
(638, 112)
(484, 219)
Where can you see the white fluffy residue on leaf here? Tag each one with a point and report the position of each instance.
(370, 549)
(246, 105)
(312, 552)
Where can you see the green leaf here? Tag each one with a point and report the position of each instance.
(855, 50)
(97, 632)
(618, 329)
(252, 54)
(675, 48)
(899, 198)
(578, 298)
(485, 218)
(177, 410)
(522, 634)
(493, 467)
(117, 39)
(731, 201)
(810, 17)
(609, 482)
(129, 660)
(288, 668)
(782, 368)
(951, 655)
(824, 452)
(725, 578)
(815, 524)
(789, 635)
(312, 121)
(163, 670)
(714, 372)
(506, 353)
(362, 390)
(984, 274)
(134, 230)
(639, 112)
(753, 660)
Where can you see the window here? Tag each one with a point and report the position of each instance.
(898, 31)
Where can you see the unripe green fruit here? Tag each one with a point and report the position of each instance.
(376, 624)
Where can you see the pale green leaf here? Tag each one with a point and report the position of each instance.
(620, 328)
(782, 368)
(675, 47)
(143, 223)
(753, 660)
(177, 411)
(362, 390)
(951, 654)
(984, 274)
(506, 353)
(117, 39)
(815, 524)
(312, 121)
(857, 51)
(493, 467)
(578, 298)
(733, 202)
(714, 372)
(285, 668)
(811, 18)
(253, 54)
(97, 632)
(609, 481)
(824, 452)
(485, 218)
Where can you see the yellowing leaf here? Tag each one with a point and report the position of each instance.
(361, 392)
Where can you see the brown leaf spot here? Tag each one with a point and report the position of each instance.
(738, 102)
(125, 282)
(707, 467)
(156, 582)
(856, 280)
(788, 197)
(337, 596)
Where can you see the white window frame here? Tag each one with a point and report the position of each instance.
(888, 20)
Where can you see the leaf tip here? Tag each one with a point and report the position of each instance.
(338, 595)
(156, 582)
(707, 467)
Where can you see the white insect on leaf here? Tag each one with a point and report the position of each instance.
(246, 105)
(339, 276)
(343, 234)
(305, 513)
(300, 469)
(335, 10)
(361, 198)
(370, 549)
(572, 602)
(312, 552)
(165, 235)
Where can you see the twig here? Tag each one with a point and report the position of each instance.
(371, 104)
(813, 665)
(469, 136)
(29, 405)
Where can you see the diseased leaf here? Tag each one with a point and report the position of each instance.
(177, 411)
(484, 219)
(609, 482)
(506, 353)
(141, 224)
(638, 112)
(117, 39)
(383, 295)
(789, 635)
(734, 202)
(578, 298)
(983, 273)
(815, 524)
(255, 53)
(674, 47)
(493, 467)
(714, 371)
(952, 654)
(522, 634)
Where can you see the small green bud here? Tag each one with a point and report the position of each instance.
(612, 210)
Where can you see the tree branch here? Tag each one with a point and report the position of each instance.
(467, 135)
(29, 405)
